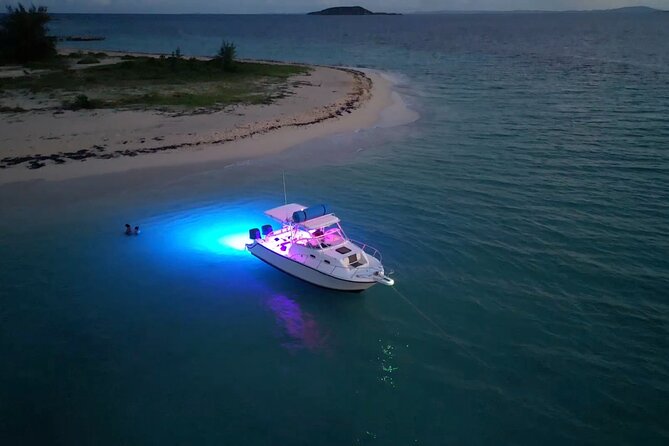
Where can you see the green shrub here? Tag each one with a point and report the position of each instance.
(88, 60)
(227, 55)
(23, 35)
(82, 102)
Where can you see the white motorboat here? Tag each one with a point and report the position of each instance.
(311, 245)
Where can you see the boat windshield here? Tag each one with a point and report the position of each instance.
(321, 238)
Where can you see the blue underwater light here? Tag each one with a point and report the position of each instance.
(235, 241)
(221, 230)
(227, 235)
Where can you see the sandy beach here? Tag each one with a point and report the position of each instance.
(61, 144)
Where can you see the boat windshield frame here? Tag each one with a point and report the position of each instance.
(329, 237)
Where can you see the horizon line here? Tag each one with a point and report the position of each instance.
(438, 12)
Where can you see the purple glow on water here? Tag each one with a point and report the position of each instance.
(300, 326)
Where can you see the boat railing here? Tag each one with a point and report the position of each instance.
(364, 272)
(367, 249)
(360, 271)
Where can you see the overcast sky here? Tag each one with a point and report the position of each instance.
(300, 6)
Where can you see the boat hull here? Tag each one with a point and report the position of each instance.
(306, 273)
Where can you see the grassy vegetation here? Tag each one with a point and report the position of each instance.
(82, 102)
(51, 63)
(165, 82)
(4, 109)
(88, 60)
(158, 82)
(81, 54)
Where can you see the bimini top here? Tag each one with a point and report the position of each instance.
(311, 218)
(284, 213)
(320, 222)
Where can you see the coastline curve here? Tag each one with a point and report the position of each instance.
(330, 101)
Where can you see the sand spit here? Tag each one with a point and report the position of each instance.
(64, 144)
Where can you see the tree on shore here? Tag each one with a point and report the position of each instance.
(226, 55)
(23, 35)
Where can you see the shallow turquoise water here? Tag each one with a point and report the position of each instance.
(525, 214)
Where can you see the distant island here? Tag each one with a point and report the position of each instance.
(635, 10)
(623, 10)
(349, 10)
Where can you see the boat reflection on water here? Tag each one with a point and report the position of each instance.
(300, 327)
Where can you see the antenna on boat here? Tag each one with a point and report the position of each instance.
(285, 197)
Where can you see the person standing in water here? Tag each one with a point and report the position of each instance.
(136, 232)
(128, 229)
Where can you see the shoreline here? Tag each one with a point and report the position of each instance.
(328, 101)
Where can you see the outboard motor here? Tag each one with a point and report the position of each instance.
(266, 229)
(254, 234)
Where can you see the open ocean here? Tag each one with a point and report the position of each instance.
(526, 214)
